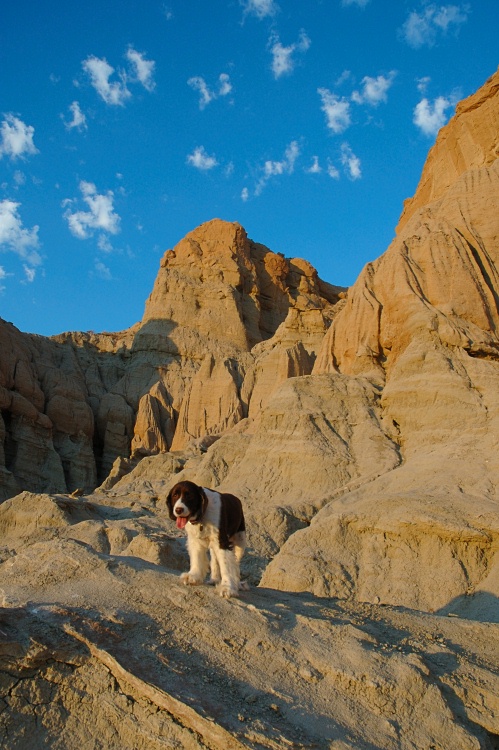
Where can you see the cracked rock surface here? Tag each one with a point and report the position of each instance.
(102, 648)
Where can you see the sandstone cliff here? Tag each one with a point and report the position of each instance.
(73, 404)
(470, 143)
(422, 323)
(361, 432)
(365, 477)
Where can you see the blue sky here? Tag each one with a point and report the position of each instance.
(124, 125)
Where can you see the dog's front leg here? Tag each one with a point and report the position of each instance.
(214, 568)
(229, 569)
(198, 554)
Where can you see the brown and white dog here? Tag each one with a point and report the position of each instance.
(213, 521)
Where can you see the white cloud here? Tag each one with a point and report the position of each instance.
(260, 8)
(451, 15)
(102, 271)
(207, 95)
(30, 273)
(104, 244)
(345, 76)
(423, 83)
(374, 90)
(430, 117)
(315, 167)
(79, 120)
(336, 109)
(332, 171)
(114, 93)
(225, 86)
(19, 178)
(350, 162)
(244, 194)
(143, 69)
(285, 166)
(100, 216)
(360, 3)
(283, 57)
(423, 28)
(201, 160)
(13, 236)
(16, 138)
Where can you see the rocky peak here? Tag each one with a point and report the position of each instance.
(219, 290)
(190, 368)
(469, 140)
(437, 280)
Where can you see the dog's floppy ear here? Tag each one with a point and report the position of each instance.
(169, 504)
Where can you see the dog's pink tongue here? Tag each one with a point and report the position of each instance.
(181, 522)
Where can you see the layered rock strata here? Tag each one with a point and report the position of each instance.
(223, 310)
(375, 476)
(360, 430)
(422, 323)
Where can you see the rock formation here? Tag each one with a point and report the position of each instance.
(471, 143)
(361, 431)
(422, 323)
(73, 404)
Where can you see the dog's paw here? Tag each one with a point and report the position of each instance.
(191, 579)
(244, 586)
(213, 581)
(227, 591)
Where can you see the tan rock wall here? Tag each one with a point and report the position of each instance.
(212, 402)
(422, 323)
(468, 141)
(87, 399)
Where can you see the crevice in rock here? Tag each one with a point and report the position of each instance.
(485, 273)
(10, 445)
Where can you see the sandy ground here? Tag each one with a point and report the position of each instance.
(106, 650)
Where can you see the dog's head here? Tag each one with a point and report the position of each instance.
(185, 502)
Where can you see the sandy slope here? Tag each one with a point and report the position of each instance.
(110, 650)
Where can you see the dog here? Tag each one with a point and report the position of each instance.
(213, 521)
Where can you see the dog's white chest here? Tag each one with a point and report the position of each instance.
(205, 532)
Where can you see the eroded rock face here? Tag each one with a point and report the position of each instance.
(58, 432)
(380, 467)
(311, 408)
(74, 404)
(422, 323)
(469, 143)
(221, 306)
(217, 291)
